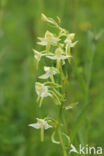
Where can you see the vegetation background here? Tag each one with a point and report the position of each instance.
(20, 25)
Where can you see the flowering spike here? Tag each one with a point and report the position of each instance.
(57, 49)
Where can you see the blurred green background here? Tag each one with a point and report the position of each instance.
(20, 25)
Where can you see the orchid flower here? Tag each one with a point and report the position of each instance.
(49, 39)
(37, 56)
(41, 124)
(69, 43)
(49, 73)
(42, 91)
(59, 55)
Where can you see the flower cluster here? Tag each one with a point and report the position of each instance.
(60, 54)
(56, 48)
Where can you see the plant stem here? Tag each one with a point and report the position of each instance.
(60, 118)
(48, 47)
(59, 132)
(52, 79)
(41, 100)
(42, 134)
(62, 143)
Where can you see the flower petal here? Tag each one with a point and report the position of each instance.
(44, 76)
(35, 125)
(52, 57)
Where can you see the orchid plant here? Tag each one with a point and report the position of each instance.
(56, 48)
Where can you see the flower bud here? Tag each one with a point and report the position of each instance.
(44, 18)
(71, 36)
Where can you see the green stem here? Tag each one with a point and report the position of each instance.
(37, 65)
(59, 131)
(42, 134)
(68, 52)
(52, 79)
(62, 143)
(41, 100)
(58, 64)
(60, 112)
(48, 48)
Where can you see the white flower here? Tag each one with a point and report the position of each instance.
(69, 39)
(59, 55)
(48, 39)
(42, 90)
(41, 123)
(50, 71)
(71, 36)
(38, 55)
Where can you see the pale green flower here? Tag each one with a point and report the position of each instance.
(50, 20)
(48, 39)
(42, 90)
(41, 124)
(59, 55)
(50, 72)
(69, 39)
(38, 55)
(44, 18)
(71, 36)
